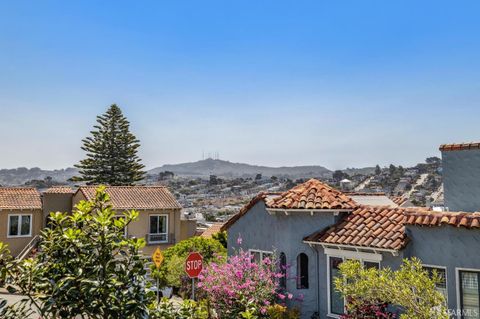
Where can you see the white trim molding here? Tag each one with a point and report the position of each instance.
(351, 254)
(458, 283)
(356, 248)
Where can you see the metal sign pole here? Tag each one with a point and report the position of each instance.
(158, 290)
(193, 288)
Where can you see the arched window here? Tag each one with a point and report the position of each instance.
(302, 271)
(283, 270)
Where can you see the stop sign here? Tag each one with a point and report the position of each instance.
(194, 265)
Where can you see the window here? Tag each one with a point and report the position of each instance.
(469, 294)
(260, 255)
(283, 270)
(302, 271)
(337, 303)
(158, 229)
(19, 225)
(442, 273)
(336, 300)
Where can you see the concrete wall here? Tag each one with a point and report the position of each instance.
(188, 228)
(449, 247)
(56, 203)
(461, 180)
(16, 244)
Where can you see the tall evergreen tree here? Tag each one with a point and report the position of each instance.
(111, 157)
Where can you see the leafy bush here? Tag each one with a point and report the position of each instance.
(188, 309)
(411, 288)
(172, 272)
(85, 267)
(241, 288)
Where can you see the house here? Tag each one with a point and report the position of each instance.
(314, 228)
(20, 216)
(160, 219)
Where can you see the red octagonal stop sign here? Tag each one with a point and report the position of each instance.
(194, 265)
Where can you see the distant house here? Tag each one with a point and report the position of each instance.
(314, 228)
(20, 216)
(215, 228)
(25, 212)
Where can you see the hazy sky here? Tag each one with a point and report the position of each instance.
(334, 83)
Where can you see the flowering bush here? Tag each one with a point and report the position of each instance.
(360, 310)
(241, 287)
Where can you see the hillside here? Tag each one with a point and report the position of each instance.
(223, 168)
(21, 175)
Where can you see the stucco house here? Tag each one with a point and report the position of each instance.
(314, 228)
(20, 216)
(24, 212)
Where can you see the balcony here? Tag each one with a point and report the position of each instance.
(163, 238)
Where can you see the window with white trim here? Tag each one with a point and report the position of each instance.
(302, 271)
(19, 225)
(469, 294)
(158, 229)
(260, 255)
(442, 274)
(336, 304)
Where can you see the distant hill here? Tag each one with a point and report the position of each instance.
(21, 175)
(223, 168)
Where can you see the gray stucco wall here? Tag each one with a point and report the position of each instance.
(449, 247)
(281, 233)
(461, 180)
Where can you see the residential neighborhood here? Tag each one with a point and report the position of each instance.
(239, 159)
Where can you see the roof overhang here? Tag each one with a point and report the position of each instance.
(288, 211)
(358, 249)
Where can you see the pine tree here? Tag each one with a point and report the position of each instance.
(111, 157)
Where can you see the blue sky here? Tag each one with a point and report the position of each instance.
(333, 83)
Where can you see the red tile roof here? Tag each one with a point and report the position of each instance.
(459, 147)
(212, 230)
(312, 194)
(372, 227)
(59, 190)
(432, 219)
(399, 200)
(20, 198)
(135, 197)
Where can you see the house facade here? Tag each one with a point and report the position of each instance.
(313, 228)
(24, 213)
(20, 217)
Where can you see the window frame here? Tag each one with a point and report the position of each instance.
(166, 229)
(459, 289)
(346, 255)
(20, 219)
(446, 276)
(261, 252)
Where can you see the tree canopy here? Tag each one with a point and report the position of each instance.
(111, 152)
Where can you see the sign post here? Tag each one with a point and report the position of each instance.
(158, 258)
(193, 268)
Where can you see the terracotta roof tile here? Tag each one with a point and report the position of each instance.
(59, 190)
(459, 147)
(399, 200)
(135, 197)
(214, 229)
(432, 218)
(312, 194)
(383, 228)
(20, 198)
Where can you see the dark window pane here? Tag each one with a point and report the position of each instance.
(153, 224)
(469, 295)
(302, 271)
(336, 299)
(442, 285)
(370, 264)
(13, 231)
(162, 224)
(283, 270)
(25, 225)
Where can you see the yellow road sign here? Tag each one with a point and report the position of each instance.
(157, 257)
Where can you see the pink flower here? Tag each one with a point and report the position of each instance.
(239, 240)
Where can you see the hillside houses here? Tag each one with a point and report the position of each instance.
(313, 228)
